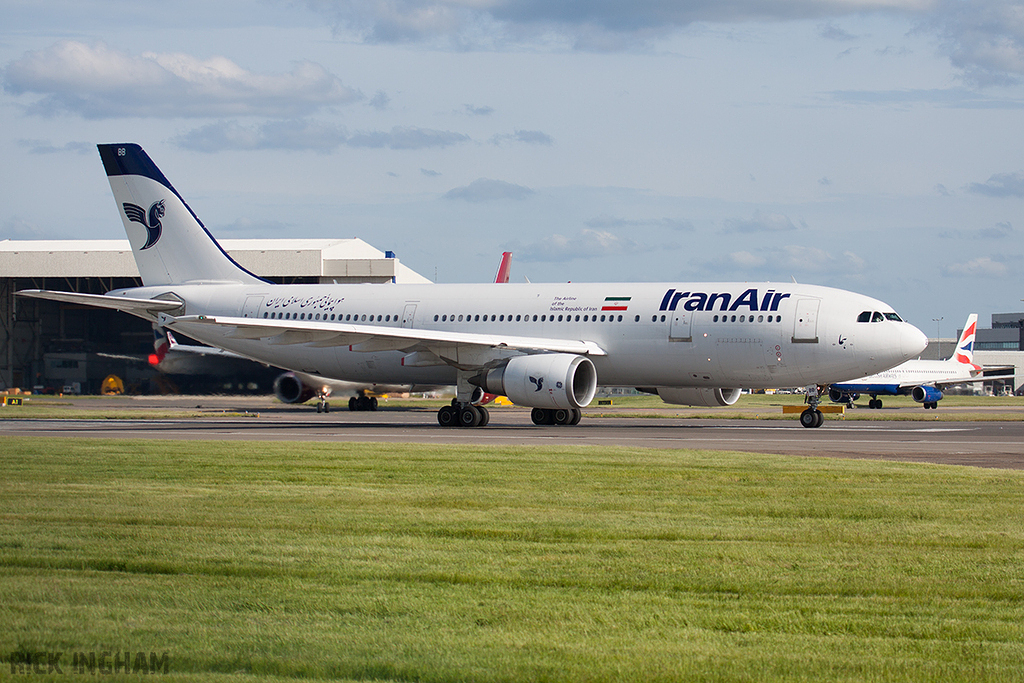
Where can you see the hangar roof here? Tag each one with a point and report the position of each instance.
(341, 260)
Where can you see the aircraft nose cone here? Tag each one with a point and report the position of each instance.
(912, 341)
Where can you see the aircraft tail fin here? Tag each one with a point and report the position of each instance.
(964, 352)
(170, 243)
(504, 268)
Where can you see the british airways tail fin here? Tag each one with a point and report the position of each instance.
(170, 243)
(964, 352)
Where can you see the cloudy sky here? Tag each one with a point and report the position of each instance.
(873, 145)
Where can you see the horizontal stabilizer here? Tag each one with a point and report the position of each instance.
(119, 303)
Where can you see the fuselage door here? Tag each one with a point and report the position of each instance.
(252, 307)
(679, 326)
(805, 321)
(408, 315)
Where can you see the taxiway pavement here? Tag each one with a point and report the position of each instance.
(979, 444)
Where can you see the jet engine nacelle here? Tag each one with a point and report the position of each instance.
(926, 394)
(840, 396)
(546, 380)
(289, 389)
(696, 396)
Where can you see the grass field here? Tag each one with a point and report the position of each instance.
(405, 562)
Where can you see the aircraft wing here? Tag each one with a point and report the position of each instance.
(119, 303)
(449, 345)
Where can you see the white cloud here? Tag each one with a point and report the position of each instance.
(587, 244)
(486, 190)
(762, 221)
(981, 267)
(529, 137)
(983, 38)
(783, 261)
(96, 82)
(606, 221)
(303, 134)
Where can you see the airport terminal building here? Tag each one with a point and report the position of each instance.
(47, 346)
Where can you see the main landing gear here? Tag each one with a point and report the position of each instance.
(362, 402)
(467, 415)
(812, 417)
(556, 416)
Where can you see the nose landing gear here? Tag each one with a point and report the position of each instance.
(812, 417)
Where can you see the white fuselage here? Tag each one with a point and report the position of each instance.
(652, 335)
(914, 373)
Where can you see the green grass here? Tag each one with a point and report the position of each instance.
(407, 562)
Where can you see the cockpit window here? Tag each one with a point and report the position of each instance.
(877, 317)
(864, 317)
(893, 316)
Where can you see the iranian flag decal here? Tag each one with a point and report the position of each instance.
(616, 303)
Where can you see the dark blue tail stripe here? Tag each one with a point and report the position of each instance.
(130, 159)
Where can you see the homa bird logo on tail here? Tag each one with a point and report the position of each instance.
(137, 214)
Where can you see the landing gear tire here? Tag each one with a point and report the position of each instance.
(875, 403)
(541, 416)
(469, 417)
(447, 416)
(352, 404)
(463, 416)
(556, 416)
(811, 418)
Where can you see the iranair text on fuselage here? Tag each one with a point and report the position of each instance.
(749, 300)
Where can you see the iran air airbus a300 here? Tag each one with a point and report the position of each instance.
(545, 346)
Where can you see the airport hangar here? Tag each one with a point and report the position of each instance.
(52, 345)
(46, 345)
